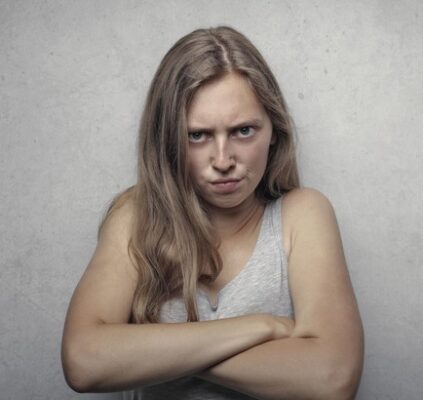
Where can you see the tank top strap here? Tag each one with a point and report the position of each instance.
(276, 231)
(275, 220)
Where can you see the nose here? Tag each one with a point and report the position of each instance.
(223, 158)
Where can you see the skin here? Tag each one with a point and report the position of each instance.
(229, 138)
(317, 356)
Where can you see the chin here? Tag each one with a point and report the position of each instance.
(227, 202)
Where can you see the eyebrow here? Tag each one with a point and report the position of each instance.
(257, 122)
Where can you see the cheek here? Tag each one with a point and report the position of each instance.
(258, 158)
(194, 165)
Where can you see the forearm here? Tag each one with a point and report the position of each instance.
(292, 368)
(107, 357)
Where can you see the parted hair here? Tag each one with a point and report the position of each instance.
(173, 245)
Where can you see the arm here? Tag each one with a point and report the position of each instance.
(322, 358)
(102, 352)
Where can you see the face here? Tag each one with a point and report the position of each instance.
(229, 134)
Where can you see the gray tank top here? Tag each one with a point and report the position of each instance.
(260, 287)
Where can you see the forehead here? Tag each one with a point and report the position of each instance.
(224, 100)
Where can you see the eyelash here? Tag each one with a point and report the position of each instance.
(250, 128)
(249, 134)
(190, 134)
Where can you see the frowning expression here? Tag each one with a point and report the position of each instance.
(229, 134)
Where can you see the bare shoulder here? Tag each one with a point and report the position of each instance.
(302, 208)
(119, 220)
(299, 201)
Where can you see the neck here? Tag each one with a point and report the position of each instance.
(230, 222)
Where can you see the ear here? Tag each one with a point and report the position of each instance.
(273, 138)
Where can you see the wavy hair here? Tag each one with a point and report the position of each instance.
(173, 244)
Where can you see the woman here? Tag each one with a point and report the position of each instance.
(216, 276)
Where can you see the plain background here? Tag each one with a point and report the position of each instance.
(73, 79)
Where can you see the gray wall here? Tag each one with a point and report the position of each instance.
(73, 77)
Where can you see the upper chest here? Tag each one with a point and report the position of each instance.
(235, 254)
(254, 279)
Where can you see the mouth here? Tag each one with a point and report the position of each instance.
(225, 180)
(225, 185)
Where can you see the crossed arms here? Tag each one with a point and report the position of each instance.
(317, 356)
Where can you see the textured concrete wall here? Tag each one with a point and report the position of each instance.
(73, 77)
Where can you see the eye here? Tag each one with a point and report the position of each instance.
(246, 131)
(196, 137)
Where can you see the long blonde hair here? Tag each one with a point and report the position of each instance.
(173, 245)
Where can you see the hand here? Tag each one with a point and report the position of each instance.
(282, 327)
(276, 327)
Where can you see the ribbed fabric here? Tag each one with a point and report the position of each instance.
(260, 287)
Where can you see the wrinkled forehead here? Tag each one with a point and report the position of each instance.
(227, 99)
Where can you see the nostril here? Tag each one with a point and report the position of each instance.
(223, 163)
(222, 156)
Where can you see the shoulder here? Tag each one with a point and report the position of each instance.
(299, 201)
(304, 209)
(118, 222)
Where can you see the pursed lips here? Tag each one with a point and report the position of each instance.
(225, 185)
(225, 180)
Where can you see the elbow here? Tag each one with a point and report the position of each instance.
(77, 383)
(76, 369)
(341, 381)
